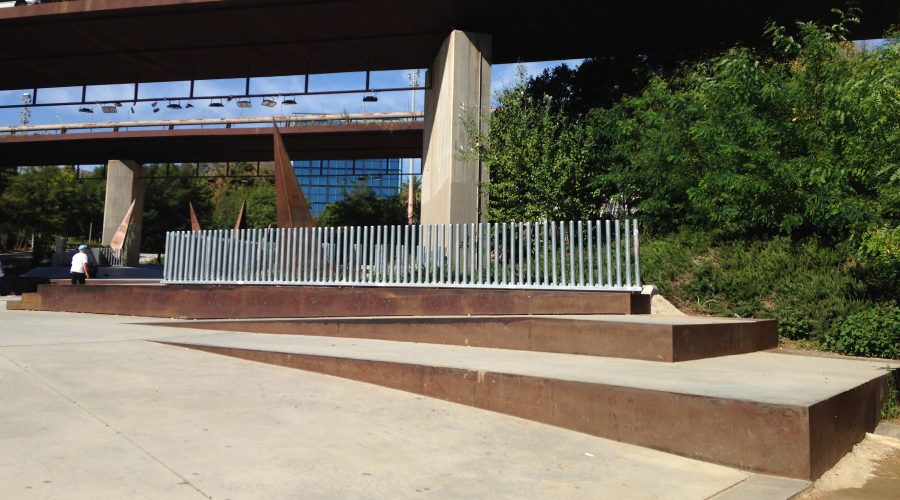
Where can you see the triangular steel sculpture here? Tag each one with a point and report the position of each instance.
(240, 222)
(118, 239)
(195, 224)
(290, 204)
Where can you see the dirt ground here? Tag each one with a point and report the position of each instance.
(871, 471)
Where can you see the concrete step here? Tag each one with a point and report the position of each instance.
(792, 416)
(29, 301)
(245, 301)
(652, 338)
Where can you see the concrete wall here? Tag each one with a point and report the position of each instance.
(124, 183)
(460, 93)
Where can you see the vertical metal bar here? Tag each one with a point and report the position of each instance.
(345, 250)
(562, 253)
(480, 253)
(385, 242)
(332, 254)
(175, 256)
(609, 281)
(599, 229)
(420, 257)
(504, 252)
(553, 248)
(521, 260)
(216, 257)
(496, 253)
(444, 254)
(317, 249)
(279, 254)
(590, 257)
(166, 265)
(473, 253)
(580, 255)
(295, 255)
(368, 250)
(637, 255)
(240, 254)
(465, 254)
(251, 255)
(433, 257)
(406, 248)
(618, 257)
(627, 250)
(533, 245)
(189, 257)
(303, 265)
(454, 242)
(544, 250)
(398, 252)
(354, 254)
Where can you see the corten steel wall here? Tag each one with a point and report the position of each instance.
(211, 301)
(650, 341)
(788, 440)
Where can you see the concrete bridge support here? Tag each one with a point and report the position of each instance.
(458, 100)
(124, 183)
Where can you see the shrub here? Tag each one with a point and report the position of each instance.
(874, 332)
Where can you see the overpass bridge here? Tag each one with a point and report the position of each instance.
(92, 42)
(308, 137)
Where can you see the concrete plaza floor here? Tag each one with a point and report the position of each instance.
(93, 409)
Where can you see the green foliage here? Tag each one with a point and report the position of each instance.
(747, 146)
(874, 332)
(891, 407)
(803, 285)
(361, 207)
(166, 203)
(50, 201)
(259, 211)
(543, 164)
(767, 180)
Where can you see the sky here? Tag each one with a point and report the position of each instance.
(502, 75)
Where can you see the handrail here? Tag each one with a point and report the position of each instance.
(332, 117)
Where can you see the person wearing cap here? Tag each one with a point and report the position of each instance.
(79, 270)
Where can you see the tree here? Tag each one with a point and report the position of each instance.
(166, 198)
(362, 207)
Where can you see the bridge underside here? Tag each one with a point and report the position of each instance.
(319, 142)
(115, 41)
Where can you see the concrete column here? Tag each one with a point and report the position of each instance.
(124, 184)
(458, 100)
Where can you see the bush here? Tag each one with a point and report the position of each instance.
(874, 332)
(805, 285)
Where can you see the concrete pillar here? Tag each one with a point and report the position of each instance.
(459, 99)
(124, 183)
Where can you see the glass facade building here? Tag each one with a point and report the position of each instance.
(326, 181)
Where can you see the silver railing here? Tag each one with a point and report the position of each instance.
(595, 255)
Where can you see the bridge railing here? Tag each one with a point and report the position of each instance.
(200, 123)
(585, 255)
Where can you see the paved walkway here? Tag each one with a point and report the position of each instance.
(92, 410)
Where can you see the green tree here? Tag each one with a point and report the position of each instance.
(543, 164)
(362, 207)
(167, 192)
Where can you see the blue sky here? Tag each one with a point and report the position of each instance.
(502, 75)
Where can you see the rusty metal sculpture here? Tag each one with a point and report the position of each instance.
(118, 239)
(195, 224)
(291, 206)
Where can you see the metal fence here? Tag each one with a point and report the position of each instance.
(110, 258)
(591, 255)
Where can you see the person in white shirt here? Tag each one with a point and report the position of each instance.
(79, 270)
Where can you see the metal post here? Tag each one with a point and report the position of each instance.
(627, 253)
(618, 257)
